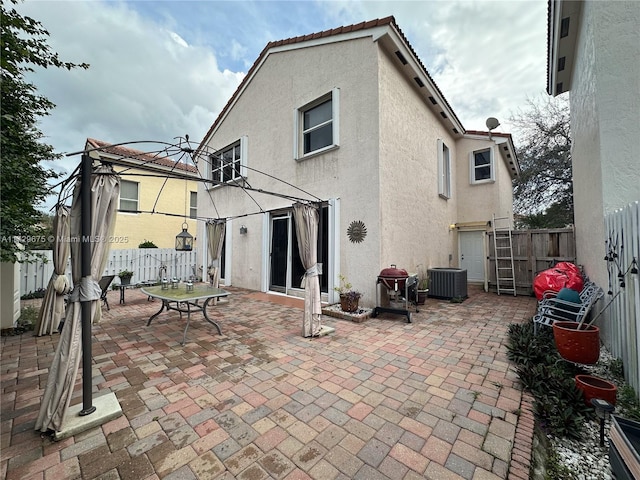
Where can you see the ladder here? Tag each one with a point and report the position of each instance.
(503, 250)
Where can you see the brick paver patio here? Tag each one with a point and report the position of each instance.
(381, 399)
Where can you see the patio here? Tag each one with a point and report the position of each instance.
(381, 399)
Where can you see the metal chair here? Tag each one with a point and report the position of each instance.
(104, 283)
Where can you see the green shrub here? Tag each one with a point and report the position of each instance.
(147, 244)
(558, 404)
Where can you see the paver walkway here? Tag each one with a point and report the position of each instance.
(382, 399)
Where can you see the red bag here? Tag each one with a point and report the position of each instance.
(563, 275)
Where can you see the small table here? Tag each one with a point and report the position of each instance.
(184, 301)
(122, 288)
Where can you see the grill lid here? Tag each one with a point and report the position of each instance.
(393, 278)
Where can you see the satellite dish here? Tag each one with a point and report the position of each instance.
(492, 123)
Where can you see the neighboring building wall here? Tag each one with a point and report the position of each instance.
(605, 115)
(131, 229)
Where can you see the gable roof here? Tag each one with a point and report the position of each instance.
(384, 30)
(138, 159)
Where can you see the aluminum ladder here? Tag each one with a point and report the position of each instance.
(503, 250)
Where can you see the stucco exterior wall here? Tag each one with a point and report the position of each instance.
(264, 112)
(605, 114)
(131, 229)
(478, 202)
(414, 219)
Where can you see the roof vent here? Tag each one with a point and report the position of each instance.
(433, 100)
(443, 115)
(564, 27)
(418, 81)
(561, 61)
(401, 57)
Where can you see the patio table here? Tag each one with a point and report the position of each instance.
(183, 301)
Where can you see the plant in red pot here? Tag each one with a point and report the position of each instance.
(349, 298)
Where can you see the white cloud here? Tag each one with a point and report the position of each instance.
(144, 83)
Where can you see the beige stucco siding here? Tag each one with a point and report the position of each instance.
(605, 114)
(264, 112)
(414, 220)
(478, 202)
(154, 194)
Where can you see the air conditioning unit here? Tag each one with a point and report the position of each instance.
(447, 283)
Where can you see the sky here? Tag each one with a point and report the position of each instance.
(163, 69)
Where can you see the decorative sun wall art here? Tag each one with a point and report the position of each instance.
(356, 231)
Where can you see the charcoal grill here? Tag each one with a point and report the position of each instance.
(401, 288)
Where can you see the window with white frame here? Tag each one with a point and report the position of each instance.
(193, 205)
(481, 169)
(444, 170)
(229, 164)
(317, 125)
(128, 196)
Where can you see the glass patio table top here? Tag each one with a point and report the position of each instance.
(183, 301)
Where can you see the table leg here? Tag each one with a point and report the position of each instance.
(164, 303)
(206, 317)
(184, 335)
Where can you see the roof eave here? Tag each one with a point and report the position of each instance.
(563, 21)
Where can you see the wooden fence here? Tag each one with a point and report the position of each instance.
(533, 252)
(145, 263)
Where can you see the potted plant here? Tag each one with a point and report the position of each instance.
(349, 298)
(125, 276)
(423, 285)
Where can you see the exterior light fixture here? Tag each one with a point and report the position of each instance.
(184, 240)
(452, 226)
(243, 230)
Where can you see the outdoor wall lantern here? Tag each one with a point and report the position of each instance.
(184, 240)
(243, 230)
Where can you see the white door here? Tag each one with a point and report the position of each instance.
(472, 255)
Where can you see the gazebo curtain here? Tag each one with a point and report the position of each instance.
(105, 186)
(306, 219)
(52, 308)
(215, 239)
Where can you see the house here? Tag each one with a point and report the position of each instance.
(144, 188)
(594, 53)
(350, 118)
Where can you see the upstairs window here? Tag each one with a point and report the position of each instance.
(128, 196)
(481, 169)
(317, 125)
(193, 205)
(444, 170)
(229, 164)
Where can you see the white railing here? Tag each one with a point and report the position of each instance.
(145, 263)
(623, 322)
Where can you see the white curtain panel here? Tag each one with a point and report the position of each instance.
(306, 219)
(52, 308)
(215, 239)
(105, 186)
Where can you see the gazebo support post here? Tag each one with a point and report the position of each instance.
(85, 262)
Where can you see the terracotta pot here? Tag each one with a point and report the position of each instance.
(349, 303)
(578, 346)
(594, 387)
